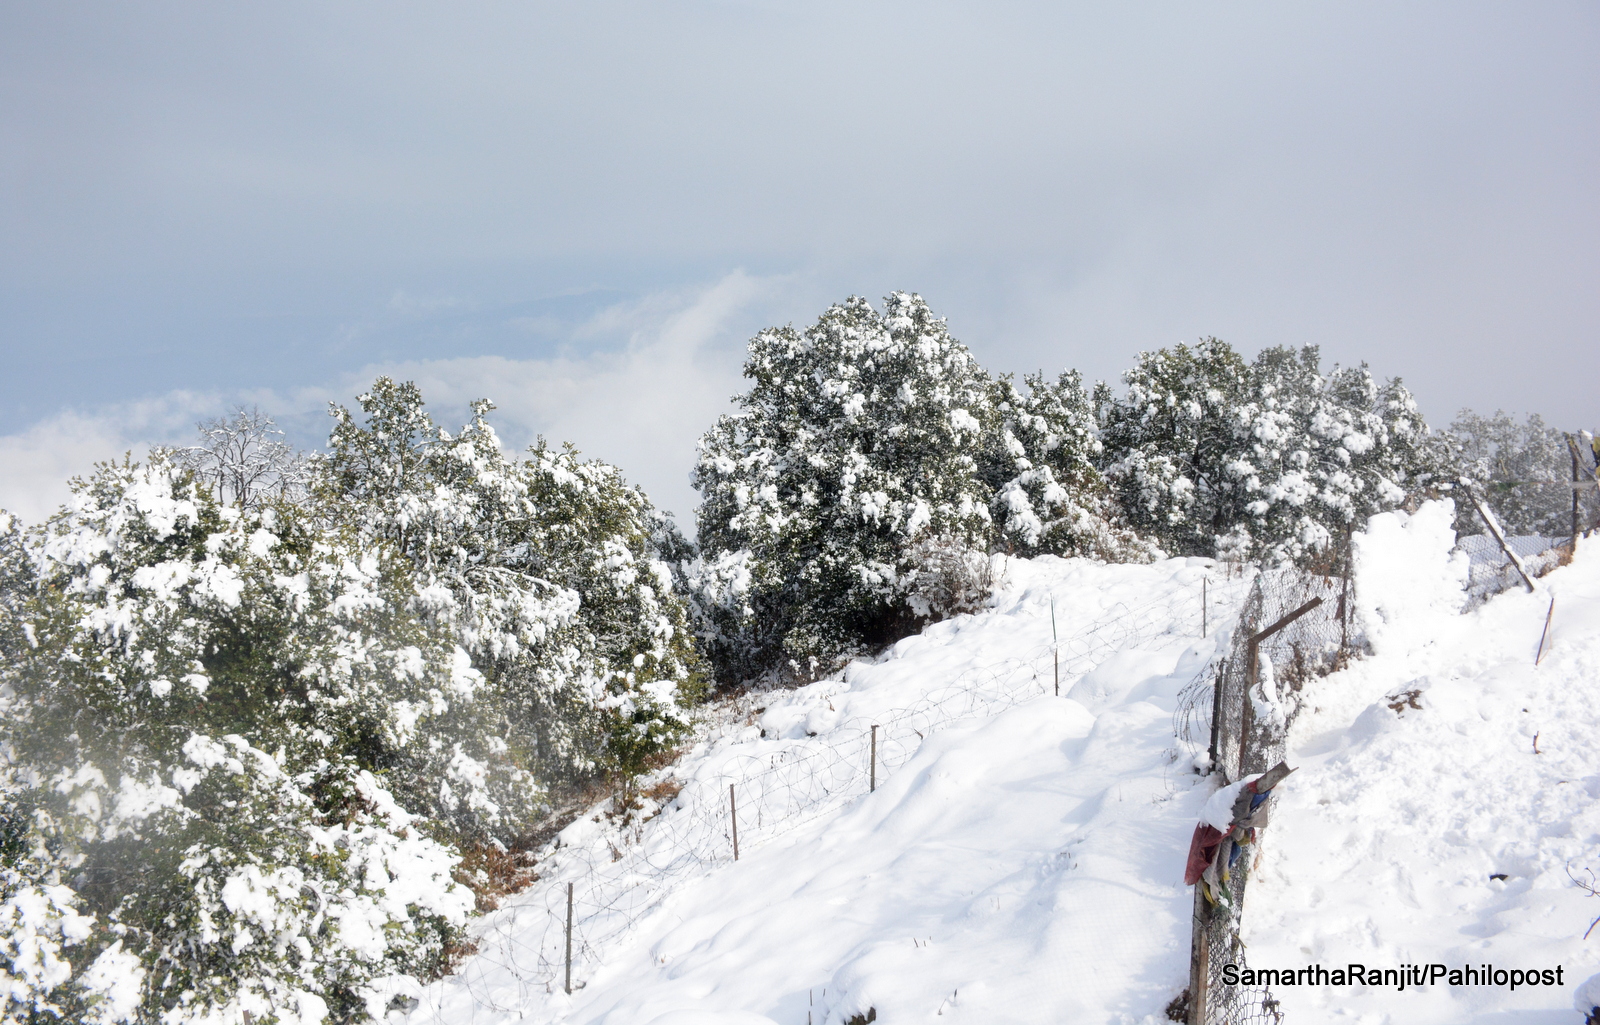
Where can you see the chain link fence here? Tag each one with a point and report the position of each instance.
(1294, 627)
(1490, 570)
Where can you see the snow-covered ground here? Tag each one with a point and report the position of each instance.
(1419, 783)
(1021, 859)
(1023, 863)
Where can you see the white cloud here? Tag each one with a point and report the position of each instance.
(36, 464)
(640, 405)
(641, 408)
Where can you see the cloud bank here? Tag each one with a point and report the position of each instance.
(639, 404)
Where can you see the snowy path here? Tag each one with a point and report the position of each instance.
(1021, 864)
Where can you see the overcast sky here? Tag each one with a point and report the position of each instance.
(582, 211)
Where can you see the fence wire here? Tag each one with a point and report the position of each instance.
(1239, 713)
(521, 958)
(1238, 1004)
(1253, 697)
(1490, 571)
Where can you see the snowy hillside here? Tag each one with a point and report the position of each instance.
(1446, 800)
(1021, 859)
(1023, 863)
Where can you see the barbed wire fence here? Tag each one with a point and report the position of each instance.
(523, 957)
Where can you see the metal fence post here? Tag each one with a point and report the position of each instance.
(569, 939)
(1544, 636)
(1055, 644)
(872, 786)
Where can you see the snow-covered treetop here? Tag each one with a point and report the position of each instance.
(1267, 460)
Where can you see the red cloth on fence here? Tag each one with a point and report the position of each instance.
(1202, 848)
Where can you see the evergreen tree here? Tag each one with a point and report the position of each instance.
(857, 437)
(546, 569)
(1522, 469)
(204, 710)
(1049, 495)
(1170, 441)
(247, 703)
(1267, 461)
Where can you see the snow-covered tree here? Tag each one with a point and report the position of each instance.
(247, 700)
(1523, 469)
(245, 461)
(1269, 460)
(858, 437)
(1049, 495)
(546, 569)
(204, 709)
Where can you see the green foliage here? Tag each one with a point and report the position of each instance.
(870, 459)
(547, 569)
(1266, 461)
(1523, 470)
(246, 700)
(1050, 496)
(150, 621)
(856, 437)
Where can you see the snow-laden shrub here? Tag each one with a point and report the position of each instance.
(872, 462)
(547, 569)
(50, 966)
(158, 611)
(143, 621)
(857, 437)
(1521, 468)
(1049, 495)
(224, 893)
(1266, 461)
(947, 578)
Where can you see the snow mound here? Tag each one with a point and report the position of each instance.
(1412, 580)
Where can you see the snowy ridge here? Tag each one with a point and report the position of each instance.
(805, 765)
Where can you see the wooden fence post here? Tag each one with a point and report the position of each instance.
(1199, 958)
(733, 815)
(1250, 671)
(1494, 530)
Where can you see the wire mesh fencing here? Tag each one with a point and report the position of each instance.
(522, 949)
(1243, 736)
(1294, 627)
(1224, 1004)
(1490, 570)
(1499, 560)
